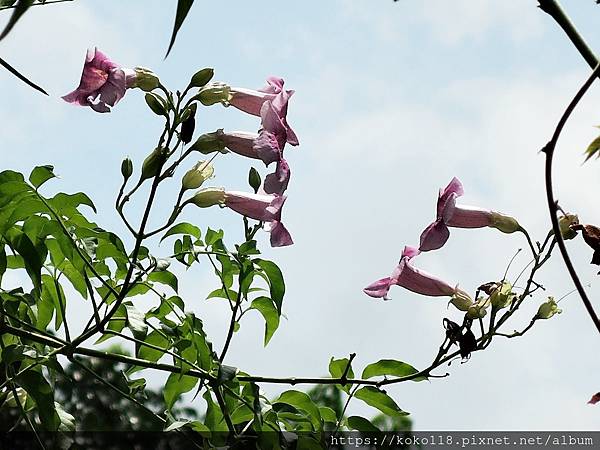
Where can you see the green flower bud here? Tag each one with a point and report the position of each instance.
(202, 77)
(504, 223)
(197, 175)
(461, 300)
(209, 143)
(153, 163)
(208, 197)
(145, 79)
(214, 93)
(126, 168)
(565, 223)
(502, 296)
(478, 309)
(548, 309)
(155, 104)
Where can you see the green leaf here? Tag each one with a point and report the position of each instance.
(3, 261)
(328, 414)
(32, 258)
(64, 203)
(183, 228)
(213, 236)
(265, 306)
(151, 354)
(135, 321)
(183, 7)
(164, 277)
(214, 416)
(176, 385)
(67, 421)
(361, 424)
(338, 366)
(390, 367)
(20, 8)
(380, 400)
(176, 425)
(302, 402)
(41, 174)
(276, 283)
(593, 149)
(202, 77)
(39, 389)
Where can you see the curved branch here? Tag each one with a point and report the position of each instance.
(552, 204)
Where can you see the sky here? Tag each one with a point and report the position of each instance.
(392, 100)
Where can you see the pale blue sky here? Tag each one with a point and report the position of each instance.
(392, 100)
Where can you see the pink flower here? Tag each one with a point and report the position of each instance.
(411, 278)
(263, 207)
(103, 83)
(252, 101)
(449, 214)
(267, 145)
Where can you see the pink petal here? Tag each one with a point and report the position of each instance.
(274, 85)
(470, 217)
(241, 143)
(595, 399)
(280, 236)
(434, 236)
(410, 252)
(277, 182)
(454, 187)
(379, 288)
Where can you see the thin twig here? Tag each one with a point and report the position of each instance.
(552, 206)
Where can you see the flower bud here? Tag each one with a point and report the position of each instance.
(565, 223)
(214, 93)
(197, 175)
(208, 197)
(548, 309)
(478, 309)
(126, 168)
(461, 300)
(188, 124)
(145, 79)
(209, 143)
(502, 296)
(202, 77)
(153, 163)
(155, 103)
(504, 223)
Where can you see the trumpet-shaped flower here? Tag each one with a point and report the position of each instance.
(413, 279)
(267, 145)
(103, 83)
(449, 214)
(263, 207)
(252, 102)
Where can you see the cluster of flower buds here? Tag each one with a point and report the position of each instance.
(104, 83)
(449, 214)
